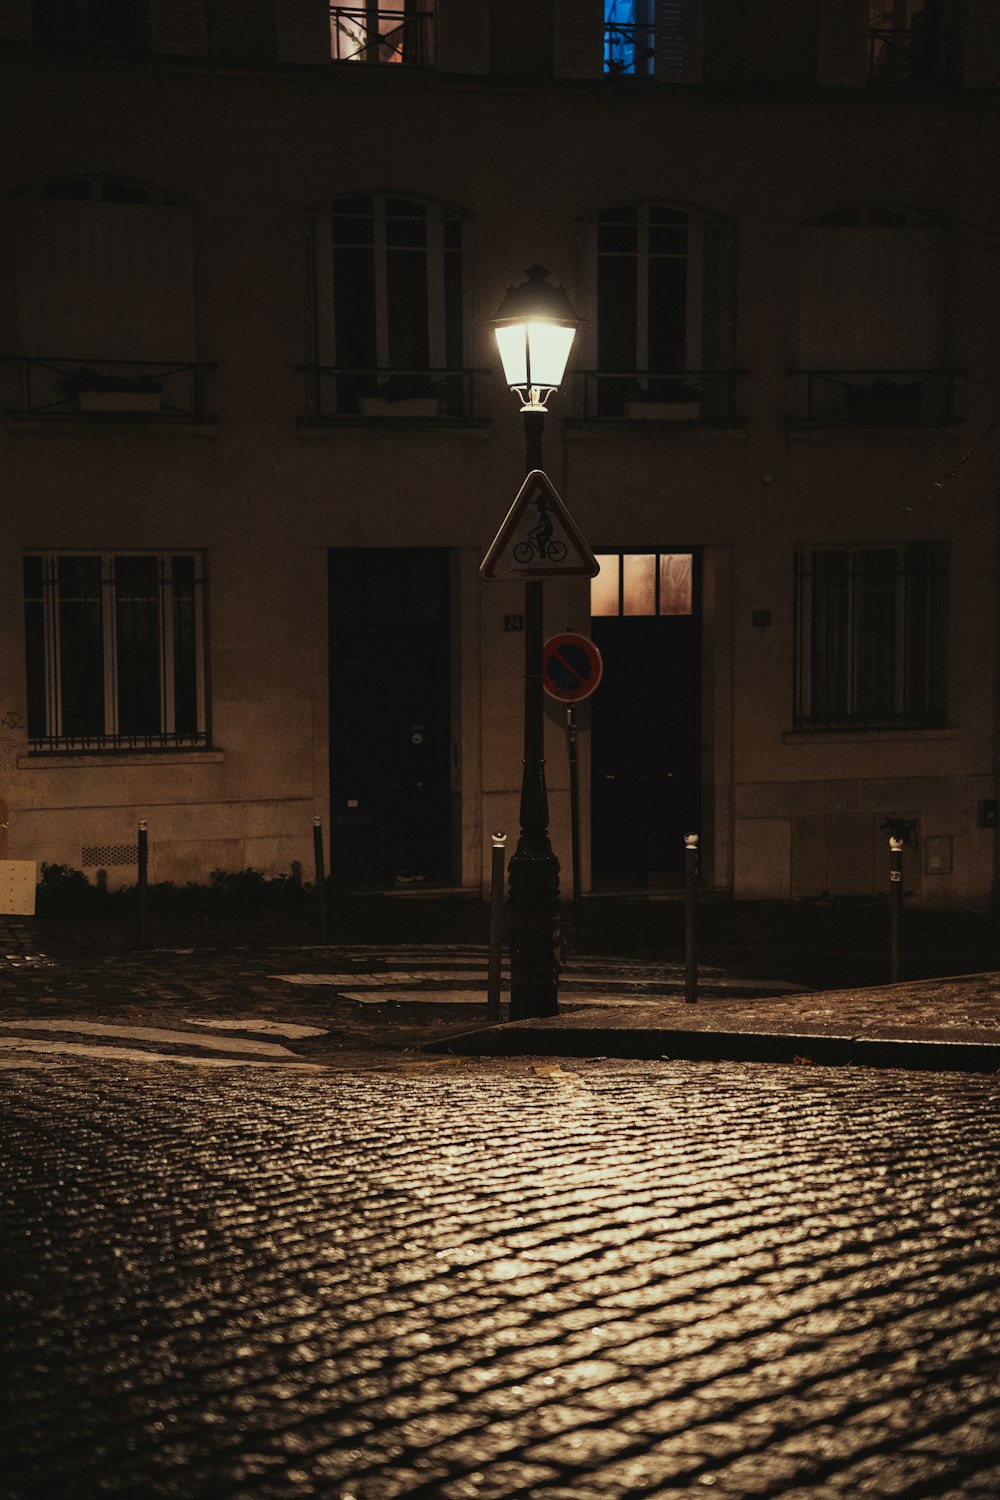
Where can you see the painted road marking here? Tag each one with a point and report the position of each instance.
(32, 1044)
(154, 1034)
(249, 1052)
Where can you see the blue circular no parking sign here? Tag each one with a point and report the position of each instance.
(571, 667)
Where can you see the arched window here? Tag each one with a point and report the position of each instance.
(872, 331)
(389, 313)
(105, 290)
(664, 291)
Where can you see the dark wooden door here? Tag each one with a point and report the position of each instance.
(390, 714)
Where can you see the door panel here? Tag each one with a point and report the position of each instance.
(645, 744)
(390, 714)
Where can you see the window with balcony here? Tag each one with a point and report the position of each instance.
(452, 36)
(115, 651)
(104, 274)
(910, 43)
(661, 341)
(871, 637)
(398, 33)
(658, 39)
(651, 38)
(388, 311)
(90, 21)
(168, 27)
(872, 325)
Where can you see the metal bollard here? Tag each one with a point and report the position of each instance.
(690, 918)
(896, 907)
(320, 864)
(496, 927)
(143, 879)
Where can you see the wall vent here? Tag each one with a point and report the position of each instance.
(104, 856)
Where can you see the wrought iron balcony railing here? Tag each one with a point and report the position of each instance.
(628, 50)
(706, 396)
(333, 392)
(380, 34)
(916, 56)
(877, 398)
(58, 387)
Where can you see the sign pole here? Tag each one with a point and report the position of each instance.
(574, 818)
(538, 539)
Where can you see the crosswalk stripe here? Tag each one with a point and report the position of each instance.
(17, 1044)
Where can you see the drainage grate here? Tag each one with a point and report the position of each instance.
(102, 856)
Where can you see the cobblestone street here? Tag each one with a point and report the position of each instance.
(446, 1278)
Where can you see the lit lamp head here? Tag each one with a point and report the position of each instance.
(535, 328)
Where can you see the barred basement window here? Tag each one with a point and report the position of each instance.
(115, 651)
(871, 637)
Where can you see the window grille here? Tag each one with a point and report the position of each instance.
(115, 651)
(871, 637)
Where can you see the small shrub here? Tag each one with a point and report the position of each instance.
(63, 891)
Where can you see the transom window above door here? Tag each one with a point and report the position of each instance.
(389, 312)
(643, 583)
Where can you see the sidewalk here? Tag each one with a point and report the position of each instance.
(940, 1025)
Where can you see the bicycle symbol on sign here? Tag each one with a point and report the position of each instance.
(541, 542)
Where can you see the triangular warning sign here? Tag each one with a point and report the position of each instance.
(538, 538)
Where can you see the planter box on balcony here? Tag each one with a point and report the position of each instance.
(663, 411)
(406, 406)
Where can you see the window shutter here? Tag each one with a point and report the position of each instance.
(579, 38)
(303, 29)
(15, 20)
(178, 27)
(104, 280)
(677, 39)
(463, 36)
(982, 44)
(843, 44)
(872, 298)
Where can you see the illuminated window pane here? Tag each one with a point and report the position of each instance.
(604, 588)
(675, 583)
(639, 583)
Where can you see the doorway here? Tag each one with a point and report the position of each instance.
(645, 717)
(390, 715)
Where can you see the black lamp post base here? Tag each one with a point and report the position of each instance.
(534, 933)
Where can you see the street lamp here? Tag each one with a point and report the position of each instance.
(535, 328)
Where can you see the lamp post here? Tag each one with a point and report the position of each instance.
(535, 328)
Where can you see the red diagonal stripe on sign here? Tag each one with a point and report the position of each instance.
(581, 677)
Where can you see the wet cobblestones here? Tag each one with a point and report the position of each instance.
(514, 1279)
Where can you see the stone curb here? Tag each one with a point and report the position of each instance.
(922, 1050)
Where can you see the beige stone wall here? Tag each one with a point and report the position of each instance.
(253, 148)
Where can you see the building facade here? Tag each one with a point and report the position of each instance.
(256, 440)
